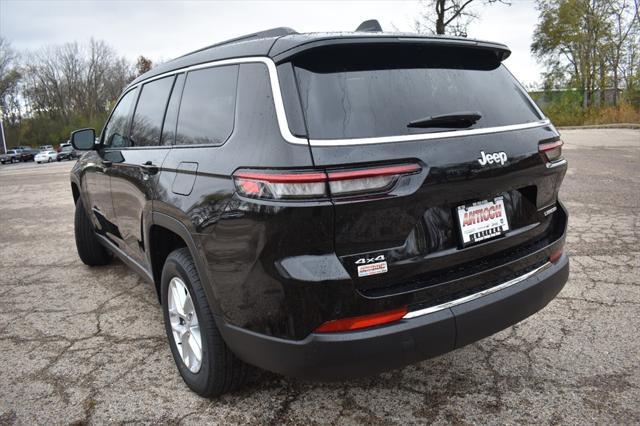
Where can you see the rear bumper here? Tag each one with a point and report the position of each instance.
(353, 354)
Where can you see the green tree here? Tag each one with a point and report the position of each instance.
(571, 38)
(10, 76)
(593, 42)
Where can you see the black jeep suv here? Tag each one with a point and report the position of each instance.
(327, 205)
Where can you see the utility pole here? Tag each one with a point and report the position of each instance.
(4, 141)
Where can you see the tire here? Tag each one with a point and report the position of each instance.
(49, 160)
(220, 370)
(91, 252)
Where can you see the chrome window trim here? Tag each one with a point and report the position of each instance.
(427, 136)
(275, 89)
(291, 138)
(469, 298)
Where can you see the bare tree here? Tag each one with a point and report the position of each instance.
(448, 16)
(143, 65)
(625, 28)
(75, 80)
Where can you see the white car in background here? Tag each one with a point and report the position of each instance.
(46, 156)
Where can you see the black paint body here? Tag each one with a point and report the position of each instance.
(279, 269)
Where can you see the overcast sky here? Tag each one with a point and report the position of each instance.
(166, 29)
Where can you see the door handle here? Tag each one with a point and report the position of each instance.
(150, 168)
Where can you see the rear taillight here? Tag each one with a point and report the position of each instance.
(364, 321)
(279, 185)
(378, 179)
(275, 186)
(551, 151)
(555, 256)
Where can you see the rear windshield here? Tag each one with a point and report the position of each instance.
(349, 92)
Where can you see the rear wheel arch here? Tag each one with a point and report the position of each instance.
(166, 234)
(162, 241)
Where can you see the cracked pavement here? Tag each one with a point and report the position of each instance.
(87, 345)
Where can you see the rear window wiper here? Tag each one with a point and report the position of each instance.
(457, 120)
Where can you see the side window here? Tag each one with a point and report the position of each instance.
(171, 118)
(115, 133)
(207, 110)
(149, 113)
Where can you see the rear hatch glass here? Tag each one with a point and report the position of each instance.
(358, 92)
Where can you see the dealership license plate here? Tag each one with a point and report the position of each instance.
(482, 220)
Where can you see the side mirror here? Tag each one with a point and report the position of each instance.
(83, 139)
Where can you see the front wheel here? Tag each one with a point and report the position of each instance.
(91, 252)
(203, 359)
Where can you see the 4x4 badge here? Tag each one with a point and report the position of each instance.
(492, 157)
(365, 260)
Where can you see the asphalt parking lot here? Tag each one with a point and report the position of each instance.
(87, 345)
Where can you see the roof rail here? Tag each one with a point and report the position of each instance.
(372, 26)
(272, 32)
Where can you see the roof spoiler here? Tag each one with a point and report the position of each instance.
(284, 52)
(370, 26)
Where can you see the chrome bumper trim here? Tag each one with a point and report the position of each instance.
(469, 298)
(558, 163)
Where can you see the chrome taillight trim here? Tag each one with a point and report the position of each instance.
(469, 298)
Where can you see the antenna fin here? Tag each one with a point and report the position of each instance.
(372, 25)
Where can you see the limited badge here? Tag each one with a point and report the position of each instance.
(372, 269)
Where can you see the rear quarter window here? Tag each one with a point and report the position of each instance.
(207, 110)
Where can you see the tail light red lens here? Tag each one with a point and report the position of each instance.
(365, 321)
(555, 256)
(316, 184)
(274, 185)
(379, 179)
(551, 151)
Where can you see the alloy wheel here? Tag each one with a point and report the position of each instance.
(185, 325)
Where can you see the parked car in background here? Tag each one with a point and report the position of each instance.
(27, 154)
(46, 156)
(12, 156)
(66, 152)
(46, 148)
